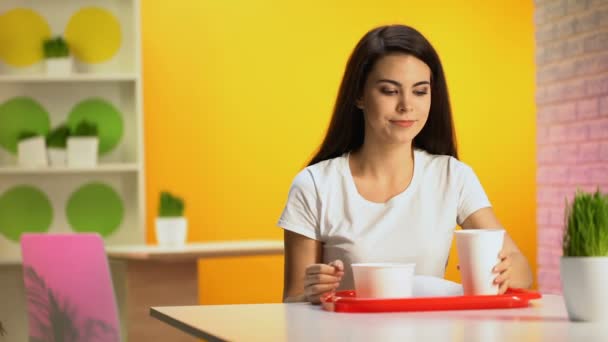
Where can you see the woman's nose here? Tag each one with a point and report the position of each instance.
(403, 106)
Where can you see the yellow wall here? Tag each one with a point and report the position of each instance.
(238, 94)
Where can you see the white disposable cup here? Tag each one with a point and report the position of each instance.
(478, 251)
(384, 280)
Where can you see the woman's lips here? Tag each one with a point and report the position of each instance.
(403, 123)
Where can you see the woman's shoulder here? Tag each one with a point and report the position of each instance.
(442, 163)
(329, 165)
(322, 172)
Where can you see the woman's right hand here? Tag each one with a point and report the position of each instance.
(321, 279)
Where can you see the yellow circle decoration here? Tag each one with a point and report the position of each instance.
(93, 35)
(22, 32)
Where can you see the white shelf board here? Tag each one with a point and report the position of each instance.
(75, 77)
(101, 168)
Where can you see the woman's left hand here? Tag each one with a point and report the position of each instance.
(503, 271)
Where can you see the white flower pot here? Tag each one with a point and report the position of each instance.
(584, 281)
(57, 156)
(82, 151)
(171, 231)
(31, 152)
(58, 66)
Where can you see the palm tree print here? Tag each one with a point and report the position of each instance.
(57, 320)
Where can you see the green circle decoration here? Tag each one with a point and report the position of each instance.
(105, 115)
(21, 114)
(24, 208)
(95, 207)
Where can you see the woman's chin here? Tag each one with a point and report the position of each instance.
(401, 140)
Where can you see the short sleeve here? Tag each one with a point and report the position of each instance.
(471, 195)
(300, 214)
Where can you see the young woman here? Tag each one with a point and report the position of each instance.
(386, 184)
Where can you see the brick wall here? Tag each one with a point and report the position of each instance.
(572, 117)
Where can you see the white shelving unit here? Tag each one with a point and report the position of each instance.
(111, 77)
(104, 168)
(116, 81)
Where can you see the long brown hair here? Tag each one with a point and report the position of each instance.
(347, 128)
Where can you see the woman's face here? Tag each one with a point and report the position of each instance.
(396, 99)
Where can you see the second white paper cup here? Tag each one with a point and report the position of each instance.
(384, 280)
(478, 251)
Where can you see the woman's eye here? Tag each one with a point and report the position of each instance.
(389, 91)
(420, 92)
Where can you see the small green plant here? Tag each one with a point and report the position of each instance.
(85, 129)
(58, 137)
(26, 135)
(586, 232)
(56, 48)
(170, 205)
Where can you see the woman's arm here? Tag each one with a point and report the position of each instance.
(520, 274)
(305, 277)
(300, 252)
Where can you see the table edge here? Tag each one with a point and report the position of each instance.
(183, 326)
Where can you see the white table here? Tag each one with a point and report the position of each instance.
(545, 320)
(148, 275)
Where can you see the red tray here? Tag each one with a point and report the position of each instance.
(347, 301)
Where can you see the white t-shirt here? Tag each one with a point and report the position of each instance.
(416, 225)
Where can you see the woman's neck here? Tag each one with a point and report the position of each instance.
(389, 163)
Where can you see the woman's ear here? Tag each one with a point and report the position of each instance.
(359, 103)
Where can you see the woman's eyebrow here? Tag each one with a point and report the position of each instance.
(398, 84)
(421, 83)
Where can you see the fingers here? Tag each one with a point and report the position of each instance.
(502, 254)
(319, 289)
(503, 266)
(319, 278)
(502, 277)
(314, 291)
(338, 265)
(505, 263)
(503, 287)
(503, 269)
(331, 268)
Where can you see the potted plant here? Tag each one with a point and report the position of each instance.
(584, 264)
(57, 56)
(31, 149)
(56, 143)
(83, 144)
(171, 225)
